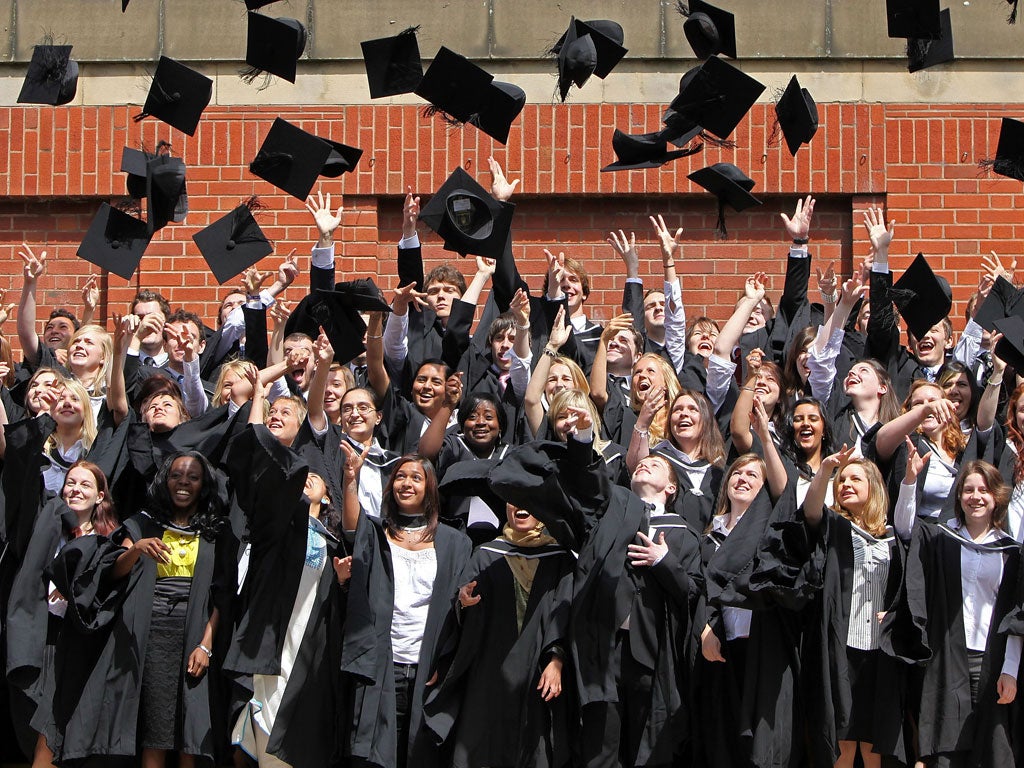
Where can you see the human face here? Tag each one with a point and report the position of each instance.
(86, 352)
(43, 382)
(58, 332)
(959, 392)
(336, 389)
(283, 421)
(315, 488)
(652, 478)
(359, 415)
(301, 374)
(808, 427)
(68, 411)
(410, 487)
(562, 424)
(185, 484)
(144, 308)
(622, 349)
(559, 378)
(501, 347)
(928, 394)
(744, 483)
(428, 388)
(647, 375)
(759, 317)
(766, 387)
(854, 488)
(176, 351)
(235, 388)
(80, 492)
(803, 368)
(481, 429)
(864, 317)
(976, 500)
(441, 297)
(701, 341)
(572, 287)
(862, 381)
(654, 311)
(520, 520)
(162, 413)
(930, 350)
(231, 301)
(685, 421)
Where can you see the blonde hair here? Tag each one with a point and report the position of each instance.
(659, 427)
(953, 438)
(88, 430)
(298, 402)
(873, 516)
(99, 384)
(579, 378)
(577, 398)
(239, 367)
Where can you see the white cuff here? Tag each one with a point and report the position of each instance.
(323, 258)
(412, 241)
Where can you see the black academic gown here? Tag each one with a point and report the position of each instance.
(488, 705)
(926, 626)
(566, 488)
(268, 480)
(101, 653)
(366, 660)
(770, 563)
(825, 678)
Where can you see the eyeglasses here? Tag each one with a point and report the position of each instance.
(361, 408)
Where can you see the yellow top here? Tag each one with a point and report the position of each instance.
(183, 554)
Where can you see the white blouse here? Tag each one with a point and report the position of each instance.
(415, 573)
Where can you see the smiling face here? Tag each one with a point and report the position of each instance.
(301, 374)
(930, 349)
(647, 374)
(80, 492)
(235, 388)
(759, 317)
(162, 413)
(767, 388)
(441, 297)
(572, 287)
(144, 308)
(559, 378)
(44, 381)
(428, 388)
(501, 348)
(86, 352)
(927, 394)
(410, 488)
(622, 350)
(519, 520)
(58, 332)
(68, 411)
(185, 484)
(653, 479)
(862, 382)
(808, 428)
(176, 351)
(482, 429)
(976, 500)
(744, 483)
(359, 415)
(337, 386)
(959, 392)
(686, 422)
(803, 367)
(283, 420)
(701, 340)
(853, 488)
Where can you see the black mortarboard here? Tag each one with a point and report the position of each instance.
(730, 185)
(291, 159)
(177, 96)
(1009, 159)
(608, 39)
(166, 198)
(115, 241)
(1003, 300)
(337, 312)
(467, 218)
(252, 5)
(922, 297)
(709, 30)
(124, 5)
(133, 163)
(393, 64)
(716, 96)
(587, 48)
(923, 52)
(274, 45)
(232, 243)
(797, 115)
(1010, 348)
(646, 150)
(679, 130)
(52, 76)
(913, 18)
(454, 85)
(502, 105)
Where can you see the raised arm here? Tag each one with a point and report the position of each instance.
(905, 512)
(989, 402)
(117, 396)
(633, 290)
(640, 441)
(533, 401)
(891, 434)
(777, 478)
(318, 386)
(90, 299)
(35, 266)
(376, 374)
(279, 314)
(814, 501)
(326, 220)
(883, 331)
(740, 422)
(522, 353)
(798, 270)
(599, 370)
(433, 436)
(350, 485)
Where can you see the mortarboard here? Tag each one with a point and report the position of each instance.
(1009, 159)
(337, 312)
(923, 52)
(177, 96)
(797, 115)
(587, 48)
(454, 85)
(467, 218)
(232, 243)
(52, 76)
(730, 185)
(393, 64)
(922, 297)
(647, 150)
(913, 18)
(291, 159)
(709, 30)
(502, 106)
(1003, 300)
(716, 96)
(1011, 348)
(166, 198)
(274, 46)
(115, 241)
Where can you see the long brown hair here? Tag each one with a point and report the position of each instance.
(1014, 434)
(873, 517)
(710, 444)
(659, 427)
(103, 517)
(953, 438)
(722, 504)
(996, 485)
(431, 500)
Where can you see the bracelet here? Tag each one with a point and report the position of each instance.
(641, 432)
(549, 352)
(749, 389)
(375, 337)
(994, 383)
(206, 650)
(800, 240)
(519, 327)
(252, 297)
(668, 264)
(830, 298)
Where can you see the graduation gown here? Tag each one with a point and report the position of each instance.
(367, 663)
(488, 705)
(101, 653)
(269, 479)
(926, 627)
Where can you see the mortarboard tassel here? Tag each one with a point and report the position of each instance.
(723, 233)
(1012, 19)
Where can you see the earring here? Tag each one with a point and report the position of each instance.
(325, 500)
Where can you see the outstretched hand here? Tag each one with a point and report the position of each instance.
(799, 226)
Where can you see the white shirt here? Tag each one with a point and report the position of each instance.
(867, 593)
(415, 573)
(735, 620)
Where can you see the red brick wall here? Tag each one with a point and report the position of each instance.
(919, 160)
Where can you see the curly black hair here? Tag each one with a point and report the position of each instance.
(209, 515)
